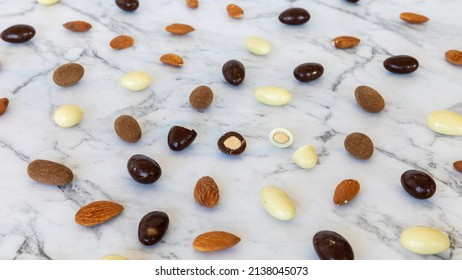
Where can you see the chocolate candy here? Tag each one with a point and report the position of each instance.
(294, 16)
(308, 72)
(68, 74)
(152, 227)
(18, 33)
(128, 5)
(143, 169)
(233, 72)
(127, 128)
(352, 1)
(369, 99)
(50, 172)
(401, 64)
(201, 97)
(180, 137)
(359, 145)
(418, 184)
(330, 245)
(232, 143)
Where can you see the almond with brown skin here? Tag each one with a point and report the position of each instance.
(172, 59)
(3, 105)
(413, 18)
(454, 57)
(215, 241)
(179, 28)
(77, 26)
(458, 165)
(121, 42)
(234, 11)
(346, 191)
(345, 42)
(97, 212)
(192, 3)
(206, 192)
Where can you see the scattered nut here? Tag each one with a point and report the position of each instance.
(454, 57)
(345, 42)
(179, 28)
(121, 42)
(206, 192)
(234, 11)
(413, 18)
(77, 26)
(172, 59)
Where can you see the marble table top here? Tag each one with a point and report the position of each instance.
(37, 220)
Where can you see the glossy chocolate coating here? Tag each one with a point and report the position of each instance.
(418, 184)
(227, 149)
(128, 5)
(143, 169)
(352, 1)
(19, 33)
(330, 245)
(308, 72)
(180, 137)
(294, 16)
(152, 227)
(233, 72)
(401, 64)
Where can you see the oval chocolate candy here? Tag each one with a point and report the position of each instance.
(294, 16)
(308, 72)
(234, 72)
(128, 5)
(418, 184)
(401, 64)
(330, 245)
(18, 33)
(153, 227)
(143, 169)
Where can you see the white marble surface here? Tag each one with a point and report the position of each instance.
(37, 221)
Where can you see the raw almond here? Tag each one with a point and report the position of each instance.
(172, 59)
(121, 42)
(215, 241)
(49, 172)
(454, 57)
(206, 192)
(413, 18)
(97, 213)
(234, 11)
(77, 26)
(179, 28)
(345, 42)
(3, 105)
(346, 191)
(192, 3)
(458, 165)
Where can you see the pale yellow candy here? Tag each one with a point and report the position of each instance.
(273, 95)
(445, 122)
(305, 157)
(257, 45)
(277, 203)
(136, 81)
(68, 115)
(424, 240)
(113, 257)
(47, 2)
